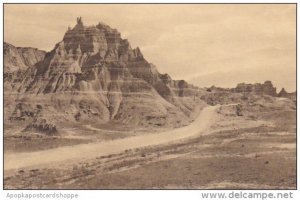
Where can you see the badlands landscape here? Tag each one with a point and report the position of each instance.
(93, 113)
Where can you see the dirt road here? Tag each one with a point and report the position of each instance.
(93, 150)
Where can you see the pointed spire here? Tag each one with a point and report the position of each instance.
(79, 24)
(79, 20)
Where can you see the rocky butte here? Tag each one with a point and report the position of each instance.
(266, 88)
(94, 75)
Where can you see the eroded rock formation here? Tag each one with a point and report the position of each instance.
(266, 88)
(285, 94)
(16, 61)
(41, 126)
(94, 74)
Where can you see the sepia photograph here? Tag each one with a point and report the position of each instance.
(149, 96)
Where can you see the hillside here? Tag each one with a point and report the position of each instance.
(94, 75)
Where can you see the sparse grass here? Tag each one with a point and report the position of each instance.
(239, 156)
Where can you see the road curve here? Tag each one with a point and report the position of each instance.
(93, 150)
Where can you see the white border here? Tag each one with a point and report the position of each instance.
(130, 194)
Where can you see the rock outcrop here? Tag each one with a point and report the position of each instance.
(266, 88)
(94, 74)
(20, 58)
(242, 92)
(41, 126)
(285, 94)
(282, 93)
(16, 61)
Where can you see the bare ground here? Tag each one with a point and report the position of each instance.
(236, 152)
(92, 150)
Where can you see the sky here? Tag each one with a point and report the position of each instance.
(204, 44)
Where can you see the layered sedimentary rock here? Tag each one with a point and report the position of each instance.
(94, 74)
(20, 58)
(266, 88)
(16, 61)
(242, 92)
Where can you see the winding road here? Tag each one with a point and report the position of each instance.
(93, 150)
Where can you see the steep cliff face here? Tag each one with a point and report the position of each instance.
(266, 88)
(20, 58)
(95, 75)
(16, 61)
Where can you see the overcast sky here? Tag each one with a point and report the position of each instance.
(204, 44)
